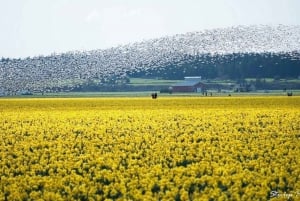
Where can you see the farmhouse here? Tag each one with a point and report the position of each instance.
(189, 84)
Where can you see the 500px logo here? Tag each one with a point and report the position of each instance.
(293, 194)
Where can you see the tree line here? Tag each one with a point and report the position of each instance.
(235, 66)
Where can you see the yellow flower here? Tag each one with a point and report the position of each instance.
(134, 149)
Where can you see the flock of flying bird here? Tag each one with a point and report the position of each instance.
(68, 70)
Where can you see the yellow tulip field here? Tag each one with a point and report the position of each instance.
(171, 148)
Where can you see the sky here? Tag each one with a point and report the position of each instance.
(43, 27)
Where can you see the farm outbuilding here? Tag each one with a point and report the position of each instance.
(189, 84)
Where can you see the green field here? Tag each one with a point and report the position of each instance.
(158, 84)
(148, 94)
(151, 82)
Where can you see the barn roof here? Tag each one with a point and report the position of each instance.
(186, 83)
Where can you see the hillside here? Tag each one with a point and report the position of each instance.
(235, 52)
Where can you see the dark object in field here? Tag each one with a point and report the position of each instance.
(289, 93)
(154, 95)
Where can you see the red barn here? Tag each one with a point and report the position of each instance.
(189, 84)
